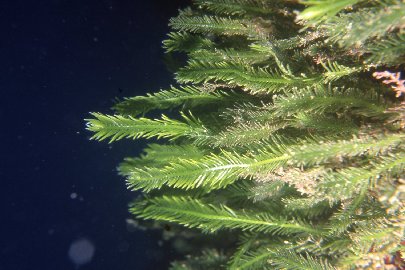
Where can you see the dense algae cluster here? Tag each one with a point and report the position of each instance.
(288, 148)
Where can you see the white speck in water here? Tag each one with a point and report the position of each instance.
(73, 195)
(81, 252)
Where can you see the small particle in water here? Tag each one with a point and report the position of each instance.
(73, 195)
(81, 252)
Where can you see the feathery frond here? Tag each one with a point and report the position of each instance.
(389, 50)
(217, 55)
(320, 100)
(365, 24)
(194, 213)
(319, 9)
(255, 259)
(117, 127)
(283, 259)
(246, 133)
(245, 244)
(269, 190)
(185, 42)
(335, 71)
(187, 96)
(324, 124)
(320, 151)
(344, 183)
(218, 25)
(254, 80)
(236, 7)
(160, 155)
(212, 171)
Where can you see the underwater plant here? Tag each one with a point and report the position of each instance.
(284, 148)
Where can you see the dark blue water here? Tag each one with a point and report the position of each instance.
(60, 59)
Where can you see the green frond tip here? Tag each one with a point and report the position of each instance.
(169, 152)
(389, 50)
(256, 259)
(235, 7)
(158, 155)
(246, 133)
(185, 42)
(217, 55)
(195, 213)
(319, 9)
(365, 24)
(250, 257)
(187, 96)
(244, 246)
(321, 100)
(343, 184)
(289, 260)
(335, 71)
(254, 80)
(117, 127)
(218, 25)
(324, 124)
(319, 151)
(210, 172)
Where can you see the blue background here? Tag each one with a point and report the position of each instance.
(60, 59)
